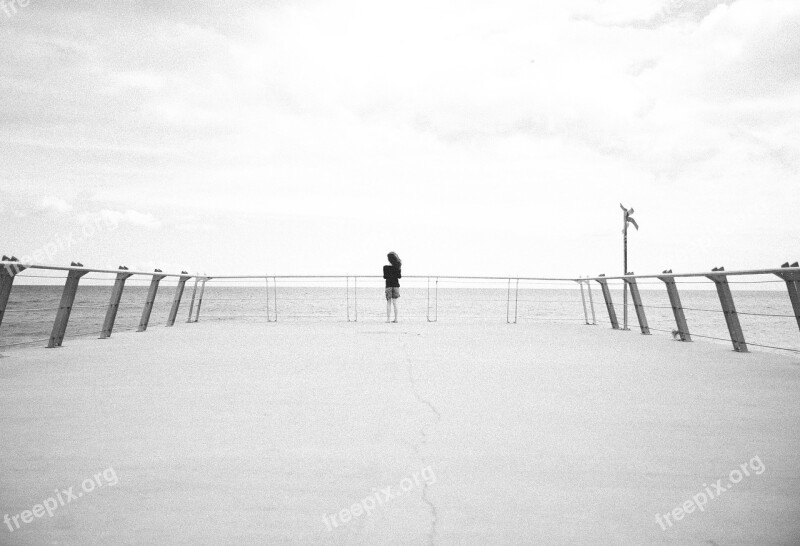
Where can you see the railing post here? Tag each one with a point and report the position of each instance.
(612, 314)
(729, 310)
(200, 299)
(148, 304)
(637, 304)
(347, 294)
(355, 297)
(113, 304)
(176, 301)
(677, 307)
(65, 308)
(194, 293)
(792, 284)
(7, 275)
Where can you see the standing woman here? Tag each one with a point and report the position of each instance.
(392, 275)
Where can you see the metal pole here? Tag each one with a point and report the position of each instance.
(591, 301)
(347, 291)
(355, 296)
(625, 285)
(516, 301)
(275, 299)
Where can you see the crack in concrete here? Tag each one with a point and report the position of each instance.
(424, 440)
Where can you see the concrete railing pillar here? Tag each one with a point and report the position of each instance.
(612, 314)
(113, 304)
(637, 304)
(7, 274)
(729, 310)
(148, 304)
(677, 307)
(792, 280)
(176, 301)
(65, 307)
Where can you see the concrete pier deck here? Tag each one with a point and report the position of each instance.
(446, 433)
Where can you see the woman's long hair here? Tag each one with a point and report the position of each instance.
(394, 259)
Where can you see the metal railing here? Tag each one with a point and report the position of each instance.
(787, 274)
(349, 293)
(282, 297)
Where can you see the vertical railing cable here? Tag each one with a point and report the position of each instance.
(583, 300)
(194, 294)
(508, 301)
(436, 301)
(275, 299)
(266, 284)
(591, 301)
(428, 307)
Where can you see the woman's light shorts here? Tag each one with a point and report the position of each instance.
(392, 293)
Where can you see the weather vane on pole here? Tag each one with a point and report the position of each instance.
(627, 218)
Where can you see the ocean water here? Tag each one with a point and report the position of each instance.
(766, 316)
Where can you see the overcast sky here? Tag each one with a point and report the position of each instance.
(469, 137)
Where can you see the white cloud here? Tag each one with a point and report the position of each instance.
(115, 218)
(196, 227)
(54, 204)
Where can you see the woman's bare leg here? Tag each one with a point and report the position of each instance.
(388, 309)
(394, 304)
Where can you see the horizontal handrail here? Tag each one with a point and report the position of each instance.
(773, 270)
(83, 269)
